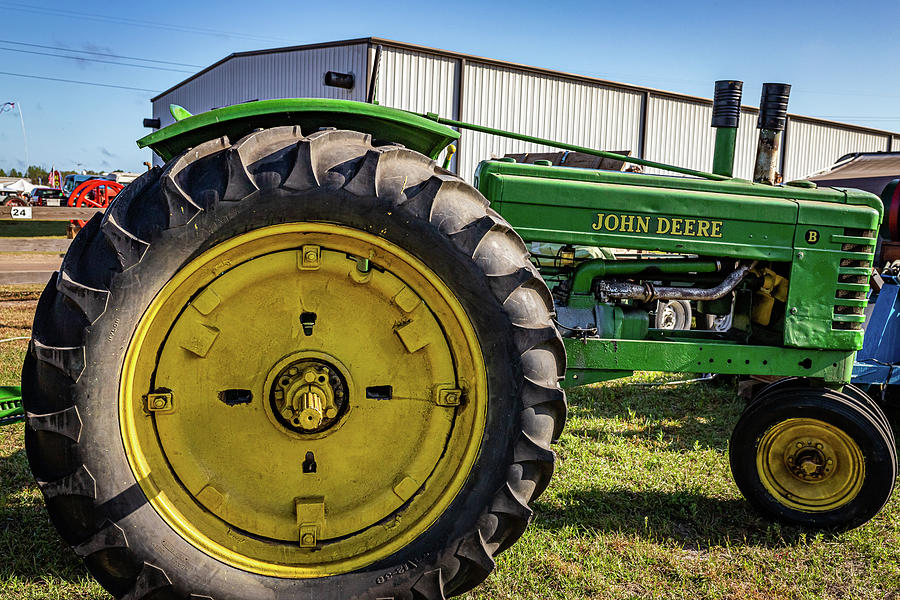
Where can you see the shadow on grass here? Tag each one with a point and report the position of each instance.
(678, 417)
(692, 520)
(30, 548)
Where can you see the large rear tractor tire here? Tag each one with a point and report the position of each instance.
(294, 367)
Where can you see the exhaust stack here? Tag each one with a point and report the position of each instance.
(726, 115)
(772, 119)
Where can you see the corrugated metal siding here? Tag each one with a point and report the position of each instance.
(812, 147)
(554, 108)
(678, 133)
(295, 74)
(745, 149)
(418, 82)
(598, 115)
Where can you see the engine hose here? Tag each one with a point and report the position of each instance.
(646, 291)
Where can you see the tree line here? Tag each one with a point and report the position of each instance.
(38, 175)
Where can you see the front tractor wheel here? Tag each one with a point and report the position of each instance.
(814, 457)
(294, 367)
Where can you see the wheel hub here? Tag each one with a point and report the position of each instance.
(308, 396)
(809, 460)
(810, 465)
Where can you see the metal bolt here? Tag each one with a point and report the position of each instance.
(819, 446)
(308, 539)
(311, 256)
(829, 462)
(793, 310)
(799, 444)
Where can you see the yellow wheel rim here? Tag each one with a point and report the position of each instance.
(303, 400)
(810, 465)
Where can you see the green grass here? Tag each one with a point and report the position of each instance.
(34, 562)
(642, 505)
(24, 228)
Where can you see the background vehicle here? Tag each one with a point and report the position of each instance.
(74, 180)
(302, 359)
(47, 197)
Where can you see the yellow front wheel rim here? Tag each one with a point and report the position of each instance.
(810, 465)
(303, 400)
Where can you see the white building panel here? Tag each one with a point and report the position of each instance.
(556, 106)
(812, 147)
(553, 108)
(418, 82)
(678, 133)
(288, 74)
(745, 148)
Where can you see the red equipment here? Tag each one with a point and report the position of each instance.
(93, 193)
(16, 201)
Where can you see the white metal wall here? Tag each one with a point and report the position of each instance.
(812, 147)
(596, 115)
(679, 133)
(549, 107)
(290, 74)
(745, 148)
(418, 82)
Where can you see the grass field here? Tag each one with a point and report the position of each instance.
(642, 506)
(21, 228)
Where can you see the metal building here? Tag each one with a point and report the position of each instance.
(652, 124)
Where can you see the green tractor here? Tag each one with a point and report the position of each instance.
(303, 360)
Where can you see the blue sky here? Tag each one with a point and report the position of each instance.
(843, 58)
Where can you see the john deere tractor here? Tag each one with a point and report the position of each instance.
(303, 360)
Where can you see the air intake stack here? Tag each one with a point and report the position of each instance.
(772, 119)
(726, 116)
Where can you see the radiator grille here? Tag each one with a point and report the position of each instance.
(857, 246)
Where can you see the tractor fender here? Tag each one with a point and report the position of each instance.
(383, 123)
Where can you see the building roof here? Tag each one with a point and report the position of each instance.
(869, 171)
(499, 63)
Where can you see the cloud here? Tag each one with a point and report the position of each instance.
(105, 152)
